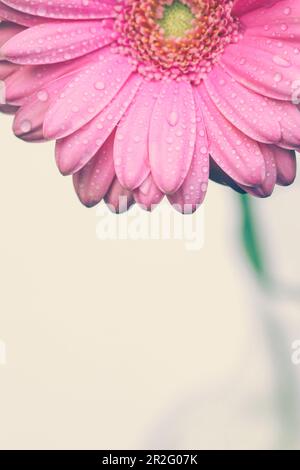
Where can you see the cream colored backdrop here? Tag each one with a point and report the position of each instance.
(122, 344)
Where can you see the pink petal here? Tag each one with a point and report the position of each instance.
(118, 199)
(94, 180)
(267, 186)
(284, 54)
(131, 145)
(7, 31)
(281, 31)
(71, 9)
(28, 123)
(148, 195)
(286, 164)
(237, 155)
(50, 43)
(244, 6)
(273, 21)
(289, 120)
(251, 113)
(193, 190)
(172, 135)
(8, 14)
(74, 151)
(259, 70)
(87, 95)
(30, 78)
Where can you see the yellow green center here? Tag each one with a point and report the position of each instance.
(177, 19)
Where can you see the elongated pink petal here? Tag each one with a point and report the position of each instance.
(193, 190)
(286, 164)
(283, 53)
(7, 31)
(148, 195)
(267, 186)
(131, 154)
(172, 135)
(13, 16)
(259, 70)
(50, 43)
(118, 199)
(237, 155)
(75, 150)
(29, 79)
(289, 120)
(250, 112)
(282, 31)
(71, 9)
(94, 180)
(279, 21)
(28, 123)
(245, 6)
(87, 95)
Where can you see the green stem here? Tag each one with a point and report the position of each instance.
(252, 243)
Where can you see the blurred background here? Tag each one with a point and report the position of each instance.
(144, 344)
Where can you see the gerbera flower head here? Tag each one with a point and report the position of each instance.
(147, 98)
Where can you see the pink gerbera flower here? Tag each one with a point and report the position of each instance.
(147, 98)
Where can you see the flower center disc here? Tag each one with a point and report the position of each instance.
(176, 39)
(177, 20)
